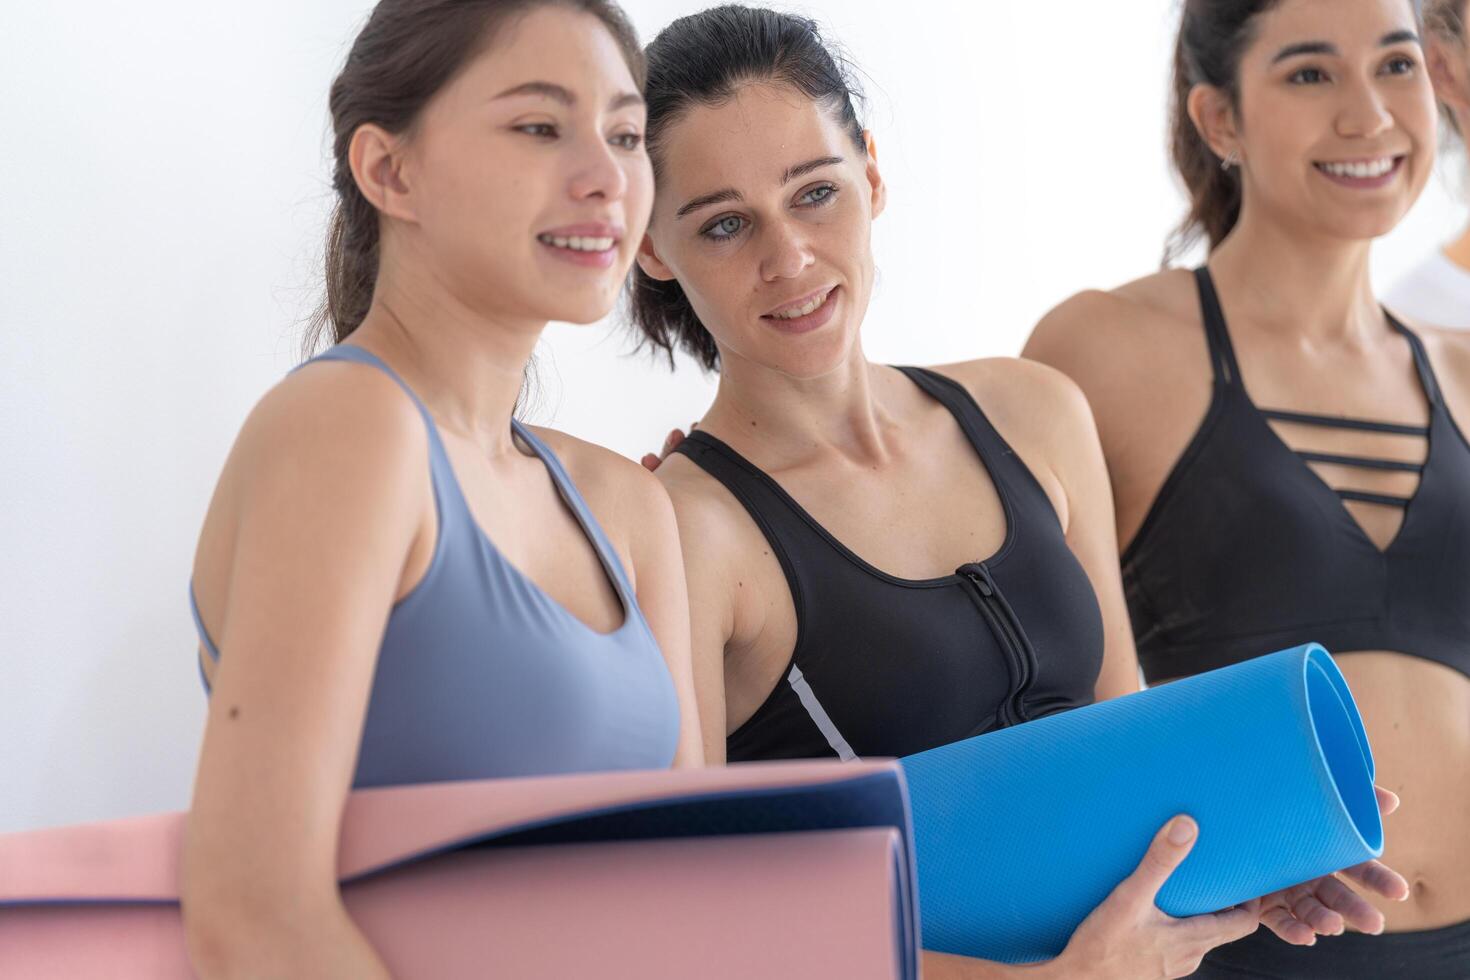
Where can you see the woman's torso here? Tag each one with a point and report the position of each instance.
(907, 608)
(1183, 450)
(482, 671)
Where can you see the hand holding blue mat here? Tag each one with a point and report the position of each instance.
(1022, 832)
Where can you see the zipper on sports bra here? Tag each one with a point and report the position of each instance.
(1013, 642)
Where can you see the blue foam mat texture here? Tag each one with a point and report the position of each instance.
(1022, 832)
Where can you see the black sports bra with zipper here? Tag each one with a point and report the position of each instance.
(1247, 550)
(885, 666)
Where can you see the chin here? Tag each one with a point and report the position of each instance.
(581, 311)
(1365, 227)
(818, 361)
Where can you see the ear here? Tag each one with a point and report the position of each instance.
(1214, 119)
(875, 179)
(376, 158)
(650, 263)
(1449, 69)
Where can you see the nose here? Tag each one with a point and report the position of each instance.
(598, 172)
(1362, 112)
(786, 252)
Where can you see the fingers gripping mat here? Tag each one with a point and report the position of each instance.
(1020, 833)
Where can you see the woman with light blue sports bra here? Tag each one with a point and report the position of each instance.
(397, 582)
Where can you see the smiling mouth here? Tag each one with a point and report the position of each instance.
(578, 243)
(1372, 169)
(804, 308)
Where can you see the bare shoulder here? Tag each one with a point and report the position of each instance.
(1009, 375)
(1020, 394)
(330, 449)
(1041, 414)
(624, 495)
(1135, 316)
(336, 427)
(710, 518)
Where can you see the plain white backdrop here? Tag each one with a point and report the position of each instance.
(164, 167)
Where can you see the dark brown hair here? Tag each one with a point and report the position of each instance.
(703, 59)
(1213, 34)
(406, 52)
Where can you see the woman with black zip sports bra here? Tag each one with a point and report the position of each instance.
(880, 560)
(1284, 454)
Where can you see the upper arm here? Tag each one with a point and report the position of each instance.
(1092, 535)
(707, 549)
(326, 494)
(664, 598)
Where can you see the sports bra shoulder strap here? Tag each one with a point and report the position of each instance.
(1217, 334)
(1421, 359)
(574, 500)
(781, 519)
(969, 415)
(358, 355)
(946, 391)
(735, 472)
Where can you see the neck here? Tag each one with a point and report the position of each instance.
(1285, 280)
(794, 419)
(467, 365)
(1458, 251)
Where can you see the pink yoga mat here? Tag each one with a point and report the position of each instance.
(772, 870)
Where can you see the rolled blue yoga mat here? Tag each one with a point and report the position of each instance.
(1020, 833)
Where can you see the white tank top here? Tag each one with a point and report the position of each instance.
(1435, 292)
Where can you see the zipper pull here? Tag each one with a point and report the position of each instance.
(980, 575)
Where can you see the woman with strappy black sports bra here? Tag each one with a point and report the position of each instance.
(881, 560)
(1284, 454)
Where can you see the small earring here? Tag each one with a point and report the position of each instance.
(1231, 159)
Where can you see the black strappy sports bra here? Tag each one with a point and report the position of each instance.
(886, 666)
(1247, 550)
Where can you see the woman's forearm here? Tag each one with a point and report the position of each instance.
(225, 944)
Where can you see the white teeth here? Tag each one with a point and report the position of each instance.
(1360, 169)
(578, 243)
(811, 305)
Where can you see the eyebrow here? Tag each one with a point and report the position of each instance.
(731, 194)
(562, 94)
(1327, 47)
(802, 169)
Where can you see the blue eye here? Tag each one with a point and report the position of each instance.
(1307, 76)
(723, 229)
(820, 196)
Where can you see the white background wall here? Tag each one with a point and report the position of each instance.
(164, 174)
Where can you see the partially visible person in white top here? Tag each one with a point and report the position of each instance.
(1436, 292)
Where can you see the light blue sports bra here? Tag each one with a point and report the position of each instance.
(482, 674)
